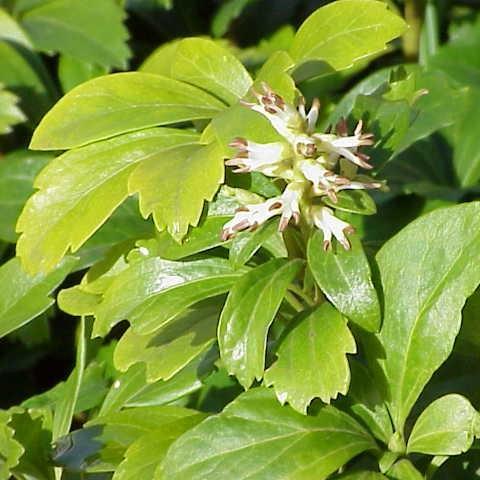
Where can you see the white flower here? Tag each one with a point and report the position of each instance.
(290, 204)
(347, 146)
(325, 220)
(267, 158)
(252, 216)
(287, 120)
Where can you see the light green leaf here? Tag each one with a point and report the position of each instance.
(174, 190)
(312, 360)
(346, 31)
(77, 28)
(355, 201)
(103, 441)
(120, 103)
(404, 470)
(10, 113)
(345, 278)
(11, 30)
(428, 270)
(144, 456)
(73, 72)
(152, 291)
(466, 158)
(248, 313)
(17, 171)
(246, 244)
(79, 190)
(256, 438)
(166, 351)
(446, 427)
(23, 74)
(203, 237)
(362, 475)
(274, 73)
(160, 61)
(226, 14)
(24, 297)
(65, 408)
(205, 64)
(10, 449)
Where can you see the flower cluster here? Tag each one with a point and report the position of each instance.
(312, 165)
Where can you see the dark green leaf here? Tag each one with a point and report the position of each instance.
(345, 278)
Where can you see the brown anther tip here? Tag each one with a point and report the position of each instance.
(270, 110)
(241, 209)
(274, 206)
(326, 245)
(241, 226)
(332, 196)
(349, 230)
(254, 227)
(238, 142)
(283, 224)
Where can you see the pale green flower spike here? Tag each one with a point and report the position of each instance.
(313, 165)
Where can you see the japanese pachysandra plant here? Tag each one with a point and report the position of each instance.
(253, 316)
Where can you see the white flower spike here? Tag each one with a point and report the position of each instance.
(312, 165)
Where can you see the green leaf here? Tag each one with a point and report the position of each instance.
(103, 441)
(32, 430)
(404, 470)
(467, 146)
(441, 107)
(73, 72)
(11, 30)
(346, 31)
(256, 438)
(345, 278)
(24, 297)
(356, 201)
(152, 291)
(226, 14)
(245, 244)
(120, 103)
(65, 408)
(248, 313)
(17, 171)
(166, 351)
(274, 73)
(205, 64)
(428, 270)
(76, 28)
(10, 113)
(174, 191)
(365, 401)
(203, 237)
(312, 360)
(446, 427)
(79, 190)
(362, 475)
(144, 456)
(10, 449)
(23, 74)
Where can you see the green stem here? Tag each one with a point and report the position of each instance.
(294, 302)
(414, 11)
(303, 295)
